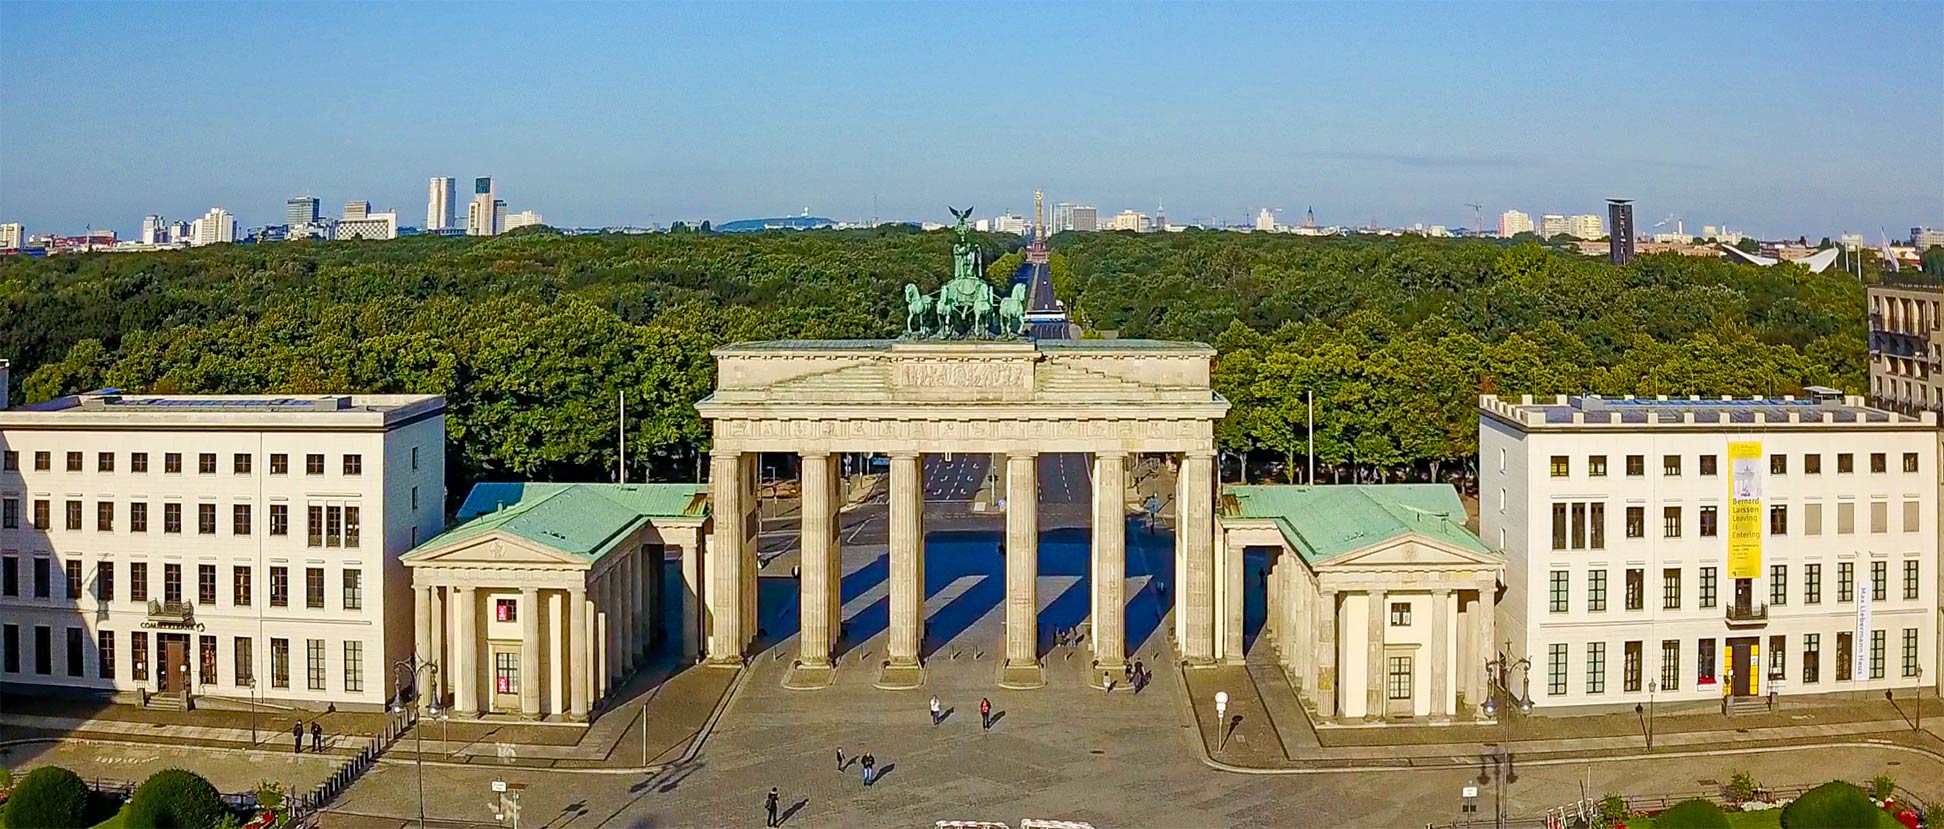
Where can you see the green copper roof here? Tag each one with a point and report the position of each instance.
(1322, 522)
(579, 519)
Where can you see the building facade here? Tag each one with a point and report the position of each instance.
(1552, 224)
(12, 235)
(1620, 244)
(1085, 218)
(223, 546)
(441, 197)
(300, 210)
(1695, 549)
(368, 226)
(215, 226)
(1907, 346)
(1512, 223)
(483, 213)
(1585, 226)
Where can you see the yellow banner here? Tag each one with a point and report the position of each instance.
(1745, 510)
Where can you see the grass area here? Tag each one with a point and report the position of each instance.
(1765, 819)
(114, 822)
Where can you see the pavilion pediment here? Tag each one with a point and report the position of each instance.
(493, 548)
(1412, 550)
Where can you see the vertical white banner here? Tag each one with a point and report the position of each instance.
(1859, 649)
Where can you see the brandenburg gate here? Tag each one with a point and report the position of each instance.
(905, 398)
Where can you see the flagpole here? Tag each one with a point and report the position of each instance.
(621, 429)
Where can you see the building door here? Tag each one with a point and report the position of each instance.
(1745, 597)
(1741, 668)
(1400, 687)
(506, 679)
(174, 675)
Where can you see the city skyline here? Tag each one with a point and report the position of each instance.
(763, 110)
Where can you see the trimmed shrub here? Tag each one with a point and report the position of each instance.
(1693, 814)
(174, 799)
(51, 797)
(1883, 786)
(1832, 805)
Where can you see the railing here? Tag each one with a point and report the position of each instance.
(305, 806)
(1748, 613)
(182, 612)
(1572, 815)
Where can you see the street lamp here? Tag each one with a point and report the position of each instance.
(1916, 699)
(410, 667)
(1652, 686)
(1498, 671)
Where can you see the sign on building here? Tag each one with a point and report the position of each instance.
(1860, 647)
(1744, 510)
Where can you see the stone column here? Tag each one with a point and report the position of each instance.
(631, 617)
(1374, 661)
(441, 679)
(558, 681)
(530, 653)
(577, 662)
(1328, 618)
(1441, 644)
(724, 614)
(616, 613)
(465, 647)
(907, 559)
(1234, 593)
(1110, 561)
(693, 590)
(1022, 560)
(819, 627)
(1485, 646)
(422, 634)
(1195, 519)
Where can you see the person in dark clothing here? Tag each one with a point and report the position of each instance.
(985, 714)
(870, 769)
(769, 805)
(297, 737)
(840, 761)
(317, 736)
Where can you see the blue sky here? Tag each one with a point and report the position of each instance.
(1778, 118)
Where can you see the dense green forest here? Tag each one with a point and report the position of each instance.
(531, 336)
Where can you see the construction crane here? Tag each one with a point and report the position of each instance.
(1478, 217)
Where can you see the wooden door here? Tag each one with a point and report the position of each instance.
(175, 664)
(1738, 663)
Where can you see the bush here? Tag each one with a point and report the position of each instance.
(174, 799)
(1693, 814)
(1883, 786)
(1741, 787)
(1613, 808)
(50, 797)
(1832, 805)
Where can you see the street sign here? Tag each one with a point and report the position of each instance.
(1471, 791)
(499, 785)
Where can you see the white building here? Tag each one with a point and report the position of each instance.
(220, 546)
(1128, 220)
(484, 212)
(1512, 223)
(1552, 224)
(215, 226)
(154, 230)
(439, 202)
(1925, 238)
(12, 235)
(1008, 223)
(1687, 550)
(357, 209)
(1586, 226)
(524, 218)
(368, 226)
(1265, 221)
(1085, 218)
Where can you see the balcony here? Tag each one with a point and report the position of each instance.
(171, 614)
(1747, 615)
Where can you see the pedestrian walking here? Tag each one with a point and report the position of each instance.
(297, 737)
(985, 714)
(769, 805)
(840, 761)
(317, 736)
(869, 762)
(1127, 672)
(936, 712)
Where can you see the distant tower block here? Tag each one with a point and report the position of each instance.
(1621, 237)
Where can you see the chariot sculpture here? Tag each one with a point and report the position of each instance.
(965, 307)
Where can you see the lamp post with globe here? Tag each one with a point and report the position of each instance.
(1499, 705)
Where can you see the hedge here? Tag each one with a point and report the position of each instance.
(49, 797)
(174, 799)
(1692, 814)
(1832, 805)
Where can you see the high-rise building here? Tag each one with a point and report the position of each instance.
(12, 235)
(1925, 238)
(1129, 220)
(1585, 226)
(154, 231)
(1062, 217)
(300, 210)
(1620, 247)
(217, 226)
(1552, 224)
(1513, 223)
(368, 225)
(357, 209)
(1084, 218)
(440, 202)
(1265, 221)
(1008, 223)
(524, 218)
(482, 217)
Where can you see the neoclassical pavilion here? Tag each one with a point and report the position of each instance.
(544, 596)
(1107, 398)
(1380, 602)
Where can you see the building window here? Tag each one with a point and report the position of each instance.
(1560, 586)
(1399, 686)
(1710, 521)
(171, 517)
(1778, 519)
(316, 514)
(10, 460)
(1596, 667)
(1559, 526)
(1812, 519)
(1909, 461)
(1911, 515)
(240, 585)
(354, 464)
(351, 526)
(1636, 465)
(1579, 526)
(279, 519)
(240, 463)
(1561, 467)
(1704, 658)
(506, 673)
(1812, 464)
(1811, 658)
(1636, 588)
(138, 517)
(1556, 669)
(279, 663)
(415, 457)
(1778, 654)
(1671, 465)
(9, 513)
(1636, 522)
(506, 610)
(10, 576)
(240, 519)
(138, 462)
(1812, 584)
(205, 584)
(74, 515)
(1400, 614)
(1909, 652)
(206, 649)
(279, 587)
(314, 663)
(1778, 464)
(138, 655)
(41, 519)
(172, 582)
(1778, 584)
(354, 594)
(1845, 655)
(41, 579)
(206, 463)
(43, 650)
(1707, 465)
(12, 648)
(105, 581)
(71, 570)
(104, 516)
(138, 581)
(1846, 581)
(415, 498)
(1879, 516)
(74, 461)
(314, 587)
(279, 463)
(245, 659)
(74, 639)
(1876, 653)
(206, 519)
(1670, 679)
(333, 526)
(1880, 580)
(353, 666)
(313, 464)
(105, 654)
(42, 462)
(1671, 522)
(1910, 579)
(1845, 463)
(1596, 525)
(1630, 666)
(1595, 466)
(1596, 590)
(1845, 518)
(1708, 586)
(1879, 464)
(1671, 588)
(104, 461)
